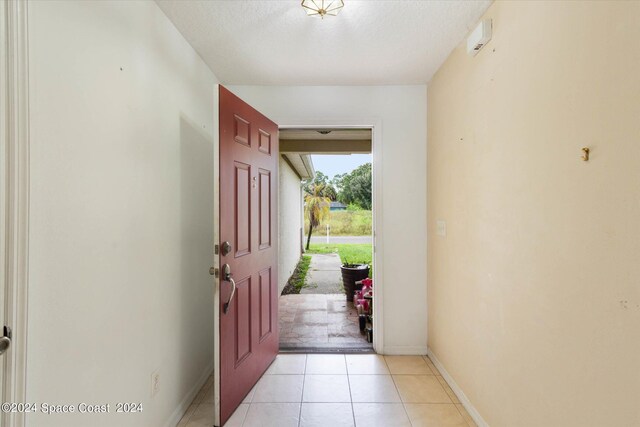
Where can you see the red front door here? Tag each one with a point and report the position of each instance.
(248, 222)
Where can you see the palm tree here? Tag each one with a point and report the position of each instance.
(316, 205)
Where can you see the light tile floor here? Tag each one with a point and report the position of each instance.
(318, 390)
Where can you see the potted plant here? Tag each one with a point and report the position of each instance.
(352, 273)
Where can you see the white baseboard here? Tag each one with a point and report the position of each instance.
(473, 412)
(408, 350)
(177, 415)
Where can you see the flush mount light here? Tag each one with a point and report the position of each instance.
(322, 7)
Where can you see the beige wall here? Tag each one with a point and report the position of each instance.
(534, 293)
(290, 217)
(121, 226)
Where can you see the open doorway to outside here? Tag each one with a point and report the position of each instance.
(326, 243)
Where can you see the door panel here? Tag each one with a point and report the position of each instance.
(242, 197)
(264, 209)
(266, 308)
(265, 142)
(241, 132)
(248, 176)
(242, 318)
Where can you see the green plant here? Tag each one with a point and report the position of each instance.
(316, 206)
(348, 264)
(355, 187)
(321, 179)
(299, 277)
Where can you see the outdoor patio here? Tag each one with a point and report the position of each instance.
(324, 321)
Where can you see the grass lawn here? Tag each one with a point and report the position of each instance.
(344, 223)
(361, 253)
(299, 276)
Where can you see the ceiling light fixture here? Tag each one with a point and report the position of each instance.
(322, 7)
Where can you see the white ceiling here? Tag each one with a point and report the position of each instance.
(371, 42)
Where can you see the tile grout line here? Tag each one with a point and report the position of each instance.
(461, 414)
(350, 391)
(189, 417)
(346, 368)
(433, 374)
(398, 390)
(195, 403)
(455, 405)
(244, 419)
(304, 378)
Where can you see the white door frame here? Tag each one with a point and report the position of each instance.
(14, 141)
(375, 124)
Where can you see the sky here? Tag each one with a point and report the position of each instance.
(332, 165)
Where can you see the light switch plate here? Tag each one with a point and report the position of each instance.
(441, 228)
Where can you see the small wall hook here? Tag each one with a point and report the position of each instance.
(585, 154)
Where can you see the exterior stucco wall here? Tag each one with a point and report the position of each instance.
(290, 210)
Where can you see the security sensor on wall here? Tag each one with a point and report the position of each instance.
(479, 37)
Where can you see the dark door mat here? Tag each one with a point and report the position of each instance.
(332, 349)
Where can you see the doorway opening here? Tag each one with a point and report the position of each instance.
(326, 240)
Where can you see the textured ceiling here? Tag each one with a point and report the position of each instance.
(370, 42)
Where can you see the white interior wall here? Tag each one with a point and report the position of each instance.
(290, 215)
(401, 112)
(121, 212)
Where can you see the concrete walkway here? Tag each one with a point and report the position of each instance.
(320, 317)
(324, 276)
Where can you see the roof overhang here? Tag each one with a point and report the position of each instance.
(297, 146)
(329, 141)
(325, 146)
(301, 164)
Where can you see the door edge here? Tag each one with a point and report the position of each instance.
(216, 257)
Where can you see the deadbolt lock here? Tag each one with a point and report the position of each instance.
(226, 248)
